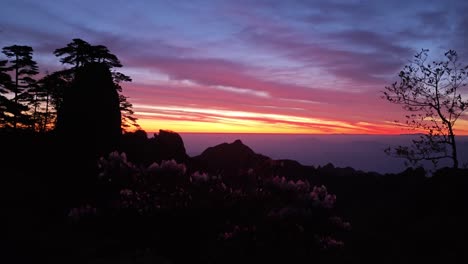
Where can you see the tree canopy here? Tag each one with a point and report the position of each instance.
(80, 53)
(34, 104)
(23, 69)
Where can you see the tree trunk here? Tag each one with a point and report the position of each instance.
(15, 117)
(35, 113)
(454, 147)
(46, 116)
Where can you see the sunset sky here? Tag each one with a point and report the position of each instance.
(250, 66)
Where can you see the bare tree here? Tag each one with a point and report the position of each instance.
(431, 91)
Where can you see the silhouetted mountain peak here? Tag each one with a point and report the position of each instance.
(236, 148)
(165, 145)
(233, 155)
(172, 145)
(238, 142)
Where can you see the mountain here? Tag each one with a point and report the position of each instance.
(165, 145)
(171, 144)
(230, 157)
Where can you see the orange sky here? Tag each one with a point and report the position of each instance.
(197, 120)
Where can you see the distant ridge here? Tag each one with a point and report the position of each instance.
(230, 156)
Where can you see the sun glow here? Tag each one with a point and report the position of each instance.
(203, 120)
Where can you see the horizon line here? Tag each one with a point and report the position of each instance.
(297, 134)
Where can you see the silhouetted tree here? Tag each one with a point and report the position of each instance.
(59, 82)
(5, 78)
(7, 107)
(80, 53)
(432, 94)
(102, 54)
(36, 97)
(126, 108)
(76, 53)
(23, 68)
(50, 91)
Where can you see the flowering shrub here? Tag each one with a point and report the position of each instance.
(340, 223)
(321, 197)
(135, 200)
(79, 213)
(276, 216)
(168, 166)
(298, 186)
(199, 177)
(329, 243)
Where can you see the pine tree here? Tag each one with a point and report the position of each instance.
(80, 53)
(5, 83)
(23, 68)
(76, 53)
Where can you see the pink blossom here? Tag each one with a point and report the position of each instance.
(340, 223)
(321, 197)
(329, 201)
(173, 165)
(330, 243)
(282, 183)
(154, 166)
(82, 211)
(126, 192)
(199, 177)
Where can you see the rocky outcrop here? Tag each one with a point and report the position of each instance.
(170, 146)
(88, 126)
(90, 117)
(165, 145)
(230, 157)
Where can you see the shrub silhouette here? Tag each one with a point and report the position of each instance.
(166, 206)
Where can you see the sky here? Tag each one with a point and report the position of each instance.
(296, 66)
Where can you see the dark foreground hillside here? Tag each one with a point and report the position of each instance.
(154, 204)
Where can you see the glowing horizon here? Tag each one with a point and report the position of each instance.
(183, 119)
(154, 125)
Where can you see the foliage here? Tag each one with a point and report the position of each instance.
(32, 104)
(23, 68)
(5, 78)
(51, 91)
(278, 219)
(432, 94)
(79, 53)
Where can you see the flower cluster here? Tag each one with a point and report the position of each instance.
(135, 200)
(340, 223)
(81, 212)
(199, 177)
(328, 242)
(116, 168)
(282, 183)
(238, 231)
(168, 172)
(269, 210)
(173, 167)
(284, 212)
(114, 160)
(322, 198)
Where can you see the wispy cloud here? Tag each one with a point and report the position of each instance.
(299, 65)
